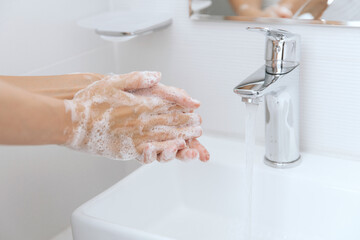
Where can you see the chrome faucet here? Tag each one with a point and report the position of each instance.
(278, 83)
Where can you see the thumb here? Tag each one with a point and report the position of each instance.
(136, 80)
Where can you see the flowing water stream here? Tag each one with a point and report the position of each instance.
(250, 130)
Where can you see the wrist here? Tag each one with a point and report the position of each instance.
(66, 86)
(65, 129)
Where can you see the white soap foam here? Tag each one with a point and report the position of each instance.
(98, 132)
(150, 77)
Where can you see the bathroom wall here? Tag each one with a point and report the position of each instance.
(41, 186)
(210, 58)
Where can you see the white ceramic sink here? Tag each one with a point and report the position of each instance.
(319, 200)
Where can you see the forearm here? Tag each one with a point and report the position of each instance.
(61, 86)
(31, 119)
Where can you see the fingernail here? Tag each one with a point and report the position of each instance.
(198, 131)
(149, 154)
(195, 101)
(199, 118)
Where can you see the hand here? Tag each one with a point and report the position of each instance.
(194, 149)
(110, 119)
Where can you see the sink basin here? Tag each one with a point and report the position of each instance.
(318, 200)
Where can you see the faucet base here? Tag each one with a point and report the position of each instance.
(283, 165)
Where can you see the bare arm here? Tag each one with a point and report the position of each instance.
(30, 113)
(30, 119)
(60, 86)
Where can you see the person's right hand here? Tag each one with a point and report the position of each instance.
(193, 149)
(110, 119)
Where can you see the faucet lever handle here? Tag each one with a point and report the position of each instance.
(282, 51)
(275, 34)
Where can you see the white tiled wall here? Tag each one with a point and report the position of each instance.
(210, 58)
(37, 33)
(41, 186)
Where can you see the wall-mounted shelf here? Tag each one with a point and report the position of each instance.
(123, 26)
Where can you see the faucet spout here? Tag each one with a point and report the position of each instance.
(260, 83)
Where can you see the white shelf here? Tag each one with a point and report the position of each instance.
(123, 26)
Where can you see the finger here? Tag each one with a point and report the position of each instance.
(149, 151)
(166, 108)
(176, 95)
(147, 122)
(155, 105)
(187, 154)
(165, 133)
(161, 106)
(172, 94)
(172, 119)
(169, 153)
(135, 80)
(195, 144)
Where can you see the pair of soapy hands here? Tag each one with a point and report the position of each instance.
(134, 116)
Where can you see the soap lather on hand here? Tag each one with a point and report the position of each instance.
(134, 116)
